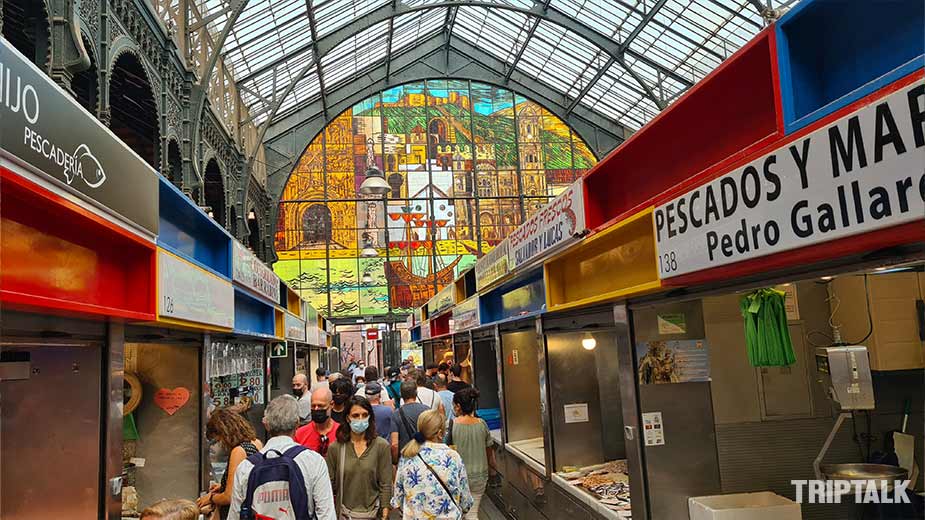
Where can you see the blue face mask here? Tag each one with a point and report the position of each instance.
(359, 425)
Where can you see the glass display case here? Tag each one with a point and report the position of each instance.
(236, 371)
(521, 375)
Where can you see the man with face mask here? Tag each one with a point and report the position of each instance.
(319, 433)
(302, 394)
(341, 389)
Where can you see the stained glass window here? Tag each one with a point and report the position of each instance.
(466, 162)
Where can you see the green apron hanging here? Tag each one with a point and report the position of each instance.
(767, 336)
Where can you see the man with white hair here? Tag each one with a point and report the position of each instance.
(272, 494)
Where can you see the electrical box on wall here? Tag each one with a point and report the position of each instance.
(847, 376)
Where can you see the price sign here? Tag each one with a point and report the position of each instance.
(193, 294)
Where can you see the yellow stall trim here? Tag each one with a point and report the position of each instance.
(186, 325)
(293, 302)
(280, 316)
(617, 262)
(460, 284)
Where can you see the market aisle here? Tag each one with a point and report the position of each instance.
(488, 511)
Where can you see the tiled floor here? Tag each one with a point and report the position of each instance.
(489, 511)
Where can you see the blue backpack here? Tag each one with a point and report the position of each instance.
(276, 488)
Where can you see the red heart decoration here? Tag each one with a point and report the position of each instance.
(171, 400)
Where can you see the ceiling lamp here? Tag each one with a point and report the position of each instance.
(367, 278)
(251, 215)
(368, 251)
(374, 183)
(588, 342)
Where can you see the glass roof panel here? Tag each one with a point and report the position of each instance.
(355, 54)
(270, 44)
(334, 14)
(413, 27)
(498, 32)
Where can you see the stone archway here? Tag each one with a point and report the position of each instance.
(174, 171)
(85, 84)
(253, 237)
(233, 219)
(214, 191)
(25, 25)
(134, 109)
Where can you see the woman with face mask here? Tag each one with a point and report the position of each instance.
(360, 465)
(341, 390)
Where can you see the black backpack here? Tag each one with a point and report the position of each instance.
(276, 488)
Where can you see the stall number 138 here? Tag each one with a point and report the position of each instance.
(667, 263)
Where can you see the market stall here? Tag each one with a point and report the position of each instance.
(164, 451)
(585, 402)
(829, 261)
(78, 251)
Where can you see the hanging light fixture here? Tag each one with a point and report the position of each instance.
(368, 251)
(374, 183)
(251, 215)
(588, 342)
(367, 278)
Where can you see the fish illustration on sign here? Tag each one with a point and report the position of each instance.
(87, 167)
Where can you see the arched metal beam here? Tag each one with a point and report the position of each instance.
(550, 14)
(262, 130)
(424, 61)
(200, 92)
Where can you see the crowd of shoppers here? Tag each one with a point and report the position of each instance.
(359, 445)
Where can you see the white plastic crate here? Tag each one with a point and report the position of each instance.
(744, 506)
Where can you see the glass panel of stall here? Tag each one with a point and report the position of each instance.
(442, 350)
(235, 370)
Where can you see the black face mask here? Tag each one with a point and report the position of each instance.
(319, 416)
(340, 399)
(298, 392)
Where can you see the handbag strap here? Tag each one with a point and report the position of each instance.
(406, 423)
(340, 478)
(440, 480)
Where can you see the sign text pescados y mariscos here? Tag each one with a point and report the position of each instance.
(861, 173)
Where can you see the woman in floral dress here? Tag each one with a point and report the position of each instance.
(431, 481)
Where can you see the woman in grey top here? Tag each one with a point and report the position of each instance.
(360, 465)
(470, 437)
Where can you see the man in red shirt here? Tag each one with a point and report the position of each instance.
(320, 433)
